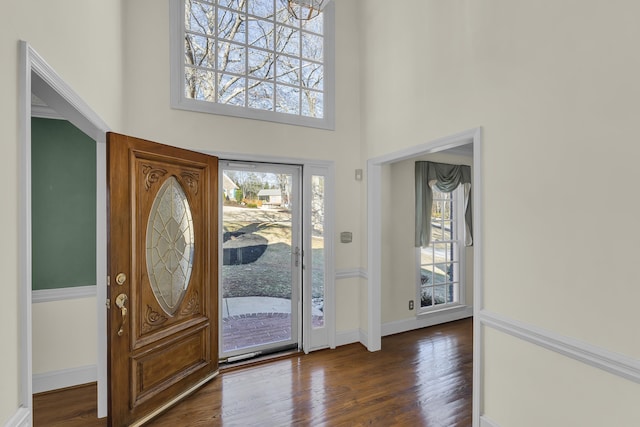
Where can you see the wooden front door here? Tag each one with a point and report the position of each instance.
(162, 266)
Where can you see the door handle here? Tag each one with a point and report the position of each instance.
(297, 254)
(121, 301)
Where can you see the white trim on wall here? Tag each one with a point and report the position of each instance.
(44, 112)
(347, 337)
(600, 358)
(22, 418)
(64, 378)
(61, 294)
(487, 422)
(351, 273)
(426, 320)
(37, 77)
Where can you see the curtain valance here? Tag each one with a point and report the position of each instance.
(446, 178)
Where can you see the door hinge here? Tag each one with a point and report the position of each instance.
(108, 280)
(108, 304)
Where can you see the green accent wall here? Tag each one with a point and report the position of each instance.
(63, 185)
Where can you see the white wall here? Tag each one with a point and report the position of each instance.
(81, 40)
(398, 284)
(64, 335)
(554, 85)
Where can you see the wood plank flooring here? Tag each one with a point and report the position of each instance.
(419, 378)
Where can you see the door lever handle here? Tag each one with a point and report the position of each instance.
(121, 301)
(297, 253)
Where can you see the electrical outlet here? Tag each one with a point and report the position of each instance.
(410, 304)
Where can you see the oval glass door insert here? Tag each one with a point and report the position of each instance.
(170, 245)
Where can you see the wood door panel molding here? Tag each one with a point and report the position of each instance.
(177, 329)
(158, 370)
(152, 319)
(151, 175)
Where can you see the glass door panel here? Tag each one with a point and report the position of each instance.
(261, 258)
(318, 251)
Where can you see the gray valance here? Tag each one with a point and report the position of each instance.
(446, 178)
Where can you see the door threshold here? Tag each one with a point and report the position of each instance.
(259, 360)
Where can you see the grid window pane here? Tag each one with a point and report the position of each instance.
(312, 47)
(287, 99)
(312, 105)
(312, 75)
(231, 25)
(263, 9)
(288, 70)
(261, 64)
(232, 4)
(315, 25)
(260, 95)
(231, 91)
(199, 84)
(200, 17)
(199, 51)
(232, 57)
(243, 40)
(261, 34)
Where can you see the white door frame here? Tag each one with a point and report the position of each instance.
(374, 235)
(39, 78)
(295, 171)
(312, 339)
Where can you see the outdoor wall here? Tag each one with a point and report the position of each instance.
(398, 284)
(148, 115)
(82, 41)
(554, 86)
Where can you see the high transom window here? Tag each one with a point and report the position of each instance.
(253, 58)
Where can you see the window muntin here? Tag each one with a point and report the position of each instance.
(439, 278)
(254, 55)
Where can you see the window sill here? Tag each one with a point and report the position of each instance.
(442, 309)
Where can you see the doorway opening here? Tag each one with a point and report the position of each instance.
(260, 260)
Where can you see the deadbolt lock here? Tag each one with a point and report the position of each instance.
(121, 278)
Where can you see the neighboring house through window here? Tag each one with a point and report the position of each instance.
(253, 59)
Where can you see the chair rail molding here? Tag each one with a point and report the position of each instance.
(597, 357)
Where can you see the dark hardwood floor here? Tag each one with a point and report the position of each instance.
(419, 378)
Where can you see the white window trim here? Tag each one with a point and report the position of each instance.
(459, 238)
(181, 102)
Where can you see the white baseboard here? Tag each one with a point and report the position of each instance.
(347, 337)
(22, 418)
(600, 358)
(363, 337)
(64, 378)
(487, 422)
(426, 320)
